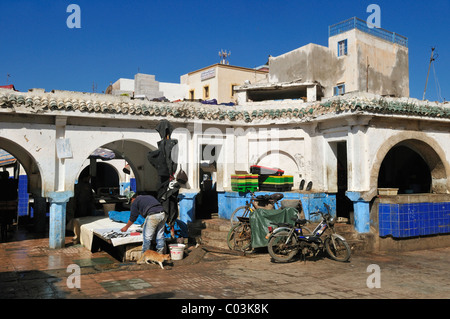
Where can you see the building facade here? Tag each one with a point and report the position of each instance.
(357, 59)
(218, 81)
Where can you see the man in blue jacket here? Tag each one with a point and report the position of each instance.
(155, 218)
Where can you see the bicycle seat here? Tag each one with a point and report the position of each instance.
(263, 197)
(276, 197)
(299, 221)
(243, 219)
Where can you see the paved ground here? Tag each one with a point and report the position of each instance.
(29, 269)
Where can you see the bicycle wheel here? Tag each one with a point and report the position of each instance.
(337, 249)
(243, 211)
(240, 237)
(230, 237)
(281, 247)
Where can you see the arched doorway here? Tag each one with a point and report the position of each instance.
(106, 179)
(405, 169)
(428, 149)
(21, 201)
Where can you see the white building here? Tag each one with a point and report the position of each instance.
(144, 86)
(357, 59)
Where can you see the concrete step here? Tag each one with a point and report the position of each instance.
(218, 243)
(212, 232)
(218, 224)
(215, 232)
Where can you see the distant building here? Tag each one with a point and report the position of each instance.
(10, 87)
(144, 86)
(218, 80)
(358, 59)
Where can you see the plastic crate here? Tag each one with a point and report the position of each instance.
(244, 182)
(263, 170)
(276, 183)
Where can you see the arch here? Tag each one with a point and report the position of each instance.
(430, 151)
(28, 162)
(107, 177)
(405, 169)
(284, 161)
(260, 160)
(134, 152)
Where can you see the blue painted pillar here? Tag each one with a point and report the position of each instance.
(187, 207)
(57, 232)
(361, 212)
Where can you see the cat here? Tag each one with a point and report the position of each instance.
(153, 257)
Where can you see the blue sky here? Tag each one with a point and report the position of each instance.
(171, 38)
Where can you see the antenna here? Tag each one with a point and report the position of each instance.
(223, 56)
(94, 87)
(367, 75)
(7, 77)
(432, 58)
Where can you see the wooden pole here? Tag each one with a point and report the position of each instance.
(426, 83)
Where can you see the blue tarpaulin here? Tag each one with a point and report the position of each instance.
(123, 217)
(180, 228)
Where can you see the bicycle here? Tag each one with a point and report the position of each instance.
(244, 211)
(240, 235)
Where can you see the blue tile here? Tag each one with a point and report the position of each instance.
(395, 232)
(385, 232)
(414, 232)
(433, 226)
(423, 231)
(385, 224)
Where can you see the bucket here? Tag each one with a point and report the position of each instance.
(108, 207)
(176, 251)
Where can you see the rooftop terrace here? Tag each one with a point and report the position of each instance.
(356, 23)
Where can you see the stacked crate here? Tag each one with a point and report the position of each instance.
(264, 178)
(244, 182)
(275, 183)
(272, 179)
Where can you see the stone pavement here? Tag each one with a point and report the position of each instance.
(30, 270)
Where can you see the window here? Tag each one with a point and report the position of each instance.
(191, 94)
(232, 89)
(342, 47)
(339, 89)
(206, 92)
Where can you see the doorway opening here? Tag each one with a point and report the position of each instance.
(206, 205)
(343, 204)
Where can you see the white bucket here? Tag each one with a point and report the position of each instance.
(176, 251)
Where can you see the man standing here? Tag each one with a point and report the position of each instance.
(150, 208)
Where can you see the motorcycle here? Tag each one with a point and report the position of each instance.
(286, 240)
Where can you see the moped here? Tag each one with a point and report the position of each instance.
(286, 240)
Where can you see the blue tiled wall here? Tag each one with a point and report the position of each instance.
(23, 197)
(133, 184)
(414, 219)
(229, 201)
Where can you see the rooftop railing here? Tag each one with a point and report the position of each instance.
(356, 23)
